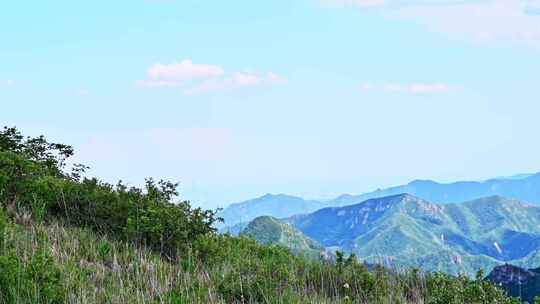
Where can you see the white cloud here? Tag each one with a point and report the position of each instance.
(425, 88)
(413, 88)
(275, 79)
(246, 79)
(185, 70)
(235, 81)
(203, 78)
(156, 83)
(479, 20)
(178, 74)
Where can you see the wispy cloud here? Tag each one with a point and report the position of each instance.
(479, 20)
(235, 81)
(203, 78)
(185, 70)
(413, 88)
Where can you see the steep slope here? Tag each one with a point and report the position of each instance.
(518, 282)
(271, 231)
(278, 206)
(524, 187)
(406, 230)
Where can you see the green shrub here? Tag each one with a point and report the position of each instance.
(32, 178)
(445, 289)
(37, 280)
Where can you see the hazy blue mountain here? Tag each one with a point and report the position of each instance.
(515, 177)
(271, 231)
(279, 206)
(407, 230)
(524, 187)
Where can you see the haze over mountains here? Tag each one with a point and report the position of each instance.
(524, 187)
(409, 231)
(404, 230)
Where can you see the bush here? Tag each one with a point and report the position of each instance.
(445, 289)
(32, 178)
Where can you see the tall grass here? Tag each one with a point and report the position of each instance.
(219, 269)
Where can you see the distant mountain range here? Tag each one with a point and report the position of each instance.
(279, 206)
(524, 187)
(404, 230)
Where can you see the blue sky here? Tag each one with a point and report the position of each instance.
(235, 99)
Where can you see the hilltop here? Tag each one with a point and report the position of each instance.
(271, 231)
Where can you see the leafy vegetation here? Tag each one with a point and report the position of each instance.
(68, 239)
(32, 179)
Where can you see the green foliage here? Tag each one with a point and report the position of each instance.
(449, 290)
(32, 178)
(253, 272)
(35, 280)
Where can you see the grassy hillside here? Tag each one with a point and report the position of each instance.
(68, 239)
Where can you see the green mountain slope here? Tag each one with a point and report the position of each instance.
(271, 231)
(409, 231)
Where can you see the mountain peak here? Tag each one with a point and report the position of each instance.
(383, 203)
(271, 195)
(397, 199)
(422, 182)
(271, 231)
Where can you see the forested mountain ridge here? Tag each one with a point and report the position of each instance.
(523, 187)
(406, 230)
